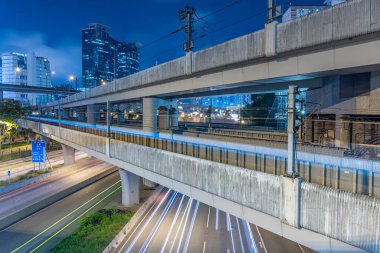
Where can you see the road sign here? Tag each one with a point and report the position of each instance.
(38, 151)
(9, 173)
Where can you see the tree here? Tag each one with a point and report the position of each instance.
(9, 112)
(258, 111)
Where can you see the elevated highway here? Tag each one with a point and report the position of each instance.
(342, 39)
(297, 210)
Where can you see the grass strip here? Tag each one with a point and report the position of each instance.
(95, 232)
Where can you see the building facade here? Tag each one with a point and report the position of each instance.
(295, 12)
(104, 58)
(25, 70)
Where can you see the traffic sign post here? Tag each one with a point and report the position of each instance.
(9, 176)
(38, 151)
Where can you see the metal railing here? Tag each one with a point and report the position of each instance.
(363, 181)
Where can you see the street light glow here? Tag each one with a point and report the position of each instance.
(53, 72)
(71, 78)
(18, 70)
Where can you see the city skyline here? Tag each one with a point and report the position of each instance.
(63, 46)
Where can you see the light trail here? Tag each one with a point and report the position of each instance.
(55, 223)
(172, 224)
(191, 228)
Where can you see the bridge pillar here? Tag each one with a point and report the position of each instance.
(130, 188)
(150, 106)
(65, 113)
(68, 154)
(90, 114)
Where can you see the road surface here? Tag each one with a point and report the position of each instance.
(177, 223)
(23, 165)
(42, 230)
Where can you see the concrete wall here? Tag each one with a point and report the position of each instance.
(345, 216)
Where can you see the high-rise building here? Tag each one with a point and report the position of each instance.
(295, 12)
(103, 57)
(25, 70)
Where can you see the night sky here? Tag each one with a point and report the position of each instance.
(53, 28)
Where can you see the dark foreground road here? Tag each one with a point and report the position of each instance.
(177, 223)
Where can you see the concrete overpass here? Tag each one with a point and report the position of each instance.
(319, 217)
(35, 89)
(342, 39)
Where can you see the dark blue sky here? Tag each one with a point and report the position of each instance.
(53, 28)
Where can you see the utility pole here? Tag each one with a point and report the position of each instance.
(290, 171)
(187, 13)
(274, 11)
(108, 118)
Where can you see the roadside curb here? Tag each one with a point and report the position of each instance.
(9, 188)
(119, 238)
(27, 211)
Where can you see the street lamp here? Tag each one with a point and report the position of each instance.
(71, 79)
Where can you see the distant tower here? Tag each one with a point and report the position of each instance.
(103, 57)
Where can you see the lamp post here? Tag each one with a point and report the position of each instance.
(71, 79)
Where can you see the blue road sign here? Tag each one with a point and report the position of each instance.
(38, 151)
(9, 173)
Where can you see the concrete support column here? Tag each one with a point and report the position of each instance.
(121, 116)
(150, 106)
(81, 114)
(68, 154)
(173, 109)
(90, 114)
(65, 113)
(130, 188)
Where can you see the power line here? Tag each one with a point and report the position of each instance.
(183, 27)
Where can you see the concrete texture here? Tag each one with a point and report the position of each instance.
(130, 188)
(68, 154)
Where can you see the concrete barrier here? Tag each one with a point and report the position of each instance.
(115, 243)
(29, 210)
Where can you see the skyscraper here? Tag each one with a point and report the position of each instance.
(25, 70)
(104, 57)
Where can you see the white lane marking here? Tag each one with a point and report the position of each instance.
(180, 224)
(241, 239)
(191, 228)
(173, 223)
(146, 223)
(184, 227)
(301, 248)
(261, 239)
(251, 241)
(216, 219)
(138, 225)
(208, 216)
(229, 227)
(204, 247)
(158, 223)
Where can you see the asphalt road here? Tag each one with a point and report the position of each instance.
(42, 230)
(23, 165)
(177, 223)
